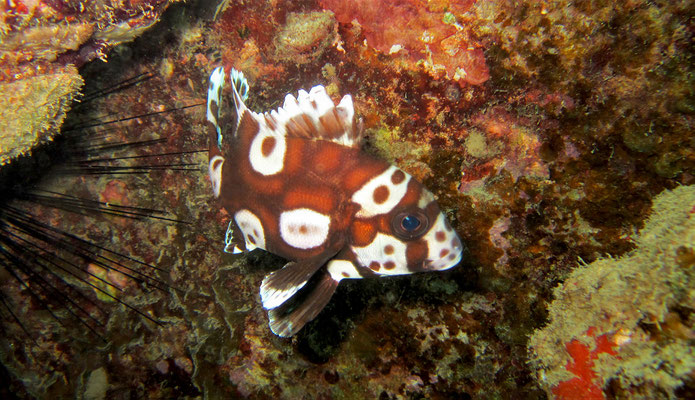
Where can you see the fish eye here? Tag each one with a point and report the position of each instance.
(410, 224)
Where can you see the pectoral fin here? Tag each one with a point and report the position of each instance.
(232, 243)
(287, 319)
(282, 284)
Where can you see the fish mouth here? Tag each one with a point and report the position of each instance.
(440, 264)
(428, 265)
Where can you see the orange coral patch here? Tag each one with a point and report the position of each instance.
(116, 192)
(584, 384)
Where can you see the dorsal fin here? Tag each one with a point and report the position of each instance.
(240, 92)
(240, 84)
(314, 116)
(310, 115)
(214, 105)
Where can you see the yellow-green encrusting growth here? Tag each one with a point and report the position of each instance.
(33, 109)
(643, 302)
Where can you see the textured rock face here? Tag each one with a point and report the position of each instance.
(419, 34)
(305, 36)
(585, 115)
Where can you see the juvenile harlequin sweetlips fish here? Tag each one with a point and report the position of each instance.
(297, 185)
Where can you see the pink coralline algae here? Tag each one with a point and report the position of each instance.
(433, 39)
(499, 141)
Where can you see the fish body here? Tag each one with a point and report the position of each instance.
(297, 184)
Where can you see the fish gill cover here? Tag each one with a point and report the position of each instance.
(577, 116)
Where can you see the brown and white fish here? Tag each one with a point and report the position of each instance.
(298, 185)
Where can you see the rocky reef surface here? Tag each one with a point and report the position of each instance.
(548, 130)
(41, 44)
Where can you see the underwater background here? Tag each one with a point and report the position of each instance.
(556, 135)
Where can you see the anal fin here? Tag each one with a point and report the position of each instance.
(282, 284)
(291, 316)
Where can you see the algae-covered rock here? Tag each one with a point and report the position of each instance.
(628, 321)
(305, 36)
(32, 110)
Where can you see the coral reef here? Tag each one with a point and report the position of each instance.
(497, 141)
(41, 43)
(623, 57)
(420, 33)
(626, 323)
(305, 36)
(572, 117)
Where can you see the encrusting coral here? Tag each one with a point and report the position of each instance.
(627, 321)
(32, 109)
(305, 36)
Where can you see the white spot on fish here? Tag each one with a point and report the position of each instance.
(342, 269)
(216, 174)
(251, 227)
(370, 196)
(444, 247)
(303, 228)
(385, 255)
(267, 153)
